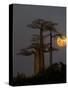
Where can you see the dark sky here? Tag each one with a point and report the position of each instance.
(24, 15)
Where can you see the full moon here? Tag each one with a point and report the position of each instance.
(61, 41)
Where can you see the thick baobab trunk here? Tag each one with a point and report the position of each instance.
(39, 56)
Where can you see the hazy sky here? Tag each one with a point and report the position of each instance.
(24, 15)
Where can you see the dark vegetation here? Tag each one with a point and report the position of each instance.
(56, 73)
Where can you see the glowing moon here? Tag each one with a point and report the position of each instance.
(61, 41)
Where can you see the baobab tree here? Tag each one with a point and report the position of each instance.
(38, 48)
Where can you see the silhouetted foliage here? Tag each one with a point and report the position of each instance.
(56, 73)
